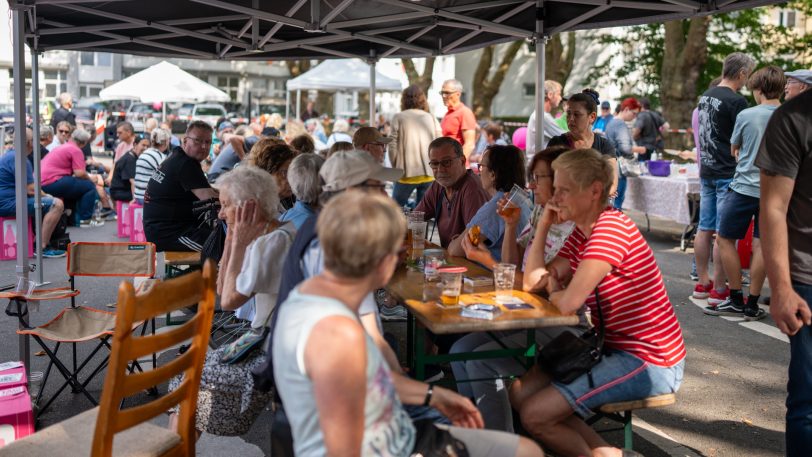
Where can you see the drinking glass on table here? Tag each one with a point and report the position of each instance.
(451, 285)
(517, 199)
(503, 275)
(418, 230)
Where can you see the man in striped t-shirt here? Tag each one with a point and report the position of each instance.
(607, 265)
(149, 161)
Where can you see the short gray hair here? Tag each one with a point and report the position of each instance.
(160, 136)
(248, 182)
(150, 124)
(303, 176)
(80, 136)
(341, 126)
(64, 97)
(455, 84)
(735, 63)
(45, 132)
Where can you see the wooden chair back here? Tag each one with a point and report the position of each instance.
(160, 298)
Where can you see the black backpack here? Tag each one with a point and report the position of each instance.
(60, 239)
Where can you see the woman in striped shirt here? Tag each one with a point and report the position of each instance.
(643, 352)
(149, 161)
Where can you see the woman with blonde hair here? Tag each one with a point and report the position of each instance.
(607, 265)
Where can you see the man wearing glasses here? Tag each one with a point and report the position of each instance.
(369, 139)
(798, 81)
(456, 193)
(459, 122)
(173, 189)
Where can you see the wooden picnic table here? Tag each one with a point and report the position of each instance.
(407, 287)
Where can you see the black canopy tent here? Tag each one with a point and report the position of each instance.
(301, 29)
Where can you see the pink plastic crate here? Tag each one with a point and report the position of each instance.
(123, 222)
(137, 223)
(12, 377)
(16, 415)
(8, 236)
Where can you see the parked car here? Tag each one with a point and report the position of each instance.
(209, 113)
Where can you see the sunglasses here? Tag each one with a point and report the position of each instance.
(64, 131)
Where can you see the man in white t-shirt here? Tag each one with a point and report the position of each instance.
(552, 98)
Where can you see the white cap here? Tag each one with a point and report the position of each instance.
(345, 169)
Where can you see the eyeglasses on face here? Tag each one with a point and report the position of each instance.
(199, 142)
(537, 178)
(445, 163)
(63, 131)
(446, 93)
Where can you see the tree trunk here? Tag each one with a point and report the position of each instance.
(485, 88)
(684, 59)
(424, 80)
(559, 58)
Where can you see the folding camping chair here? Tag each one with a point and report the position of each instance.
(76, 324)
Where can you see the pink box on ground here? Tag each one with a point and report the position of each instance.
(12, 374)
(16, 415)
(137, 223)
(8, 236)
(123, 222)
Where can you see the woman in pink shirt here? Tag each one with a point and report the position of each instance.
(64, 176)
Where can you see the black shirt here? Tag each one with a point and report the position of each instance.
(649, 123)
(718, 108)
(169, 198)
(600, 144)
(123, 172)
(786, 150)
(61, 114)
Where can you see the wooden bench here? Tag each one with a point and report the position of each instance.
(622, 412)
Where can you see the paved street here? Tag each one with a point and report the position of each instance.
(731, 402)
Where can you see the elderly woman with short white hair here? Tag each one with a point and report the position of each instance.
(303, 176)
(341, 130)
(248, 282)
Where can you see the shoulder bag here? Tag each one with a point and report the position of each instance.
(569, 356)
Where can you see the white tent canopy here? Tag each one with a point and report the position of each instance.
(163, 82)
(342, 74)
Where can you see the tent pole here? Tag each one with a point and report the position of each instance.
(287, 106)
(37, 158)
(373, 118)
(541, 46)
(298, 104)
(20, 158)
(163, 111)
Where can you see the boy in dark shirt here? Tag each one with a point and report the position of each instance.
(122, 184)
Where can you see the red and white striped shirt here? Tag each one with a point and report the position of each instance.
(638, 317)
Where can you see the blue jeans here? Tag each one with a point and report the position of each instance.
(799, 398)
(621, 191)
(82, 191)
(710, 201)
(402, 192)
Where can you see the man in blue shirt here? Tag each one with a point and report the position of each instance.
(51, 207)
(603, 120)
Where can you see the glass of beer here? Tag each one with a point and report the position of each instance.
(517, 199)
(451, 285)
(503, 275)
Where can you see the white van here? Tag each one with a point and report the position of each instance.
(210, 113)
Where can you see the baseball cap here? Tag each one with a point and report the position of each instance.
(804, 76)
(225, 125)
(350, 168)
(605, 105)
(367, 135)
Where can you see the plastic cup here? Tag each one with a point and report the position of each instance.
(451, 285)
(503, 275)
(418, 230)
(516, 200)
(432, 261)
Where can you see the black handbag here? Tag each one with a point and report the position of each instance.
(568, 356)
(434, 441)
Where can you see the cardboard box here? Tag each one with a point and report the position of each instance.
(16, 414)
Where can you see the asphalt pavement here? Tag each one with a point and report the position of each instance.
(731, 402)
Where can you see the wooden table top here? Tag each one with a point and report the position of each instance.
(407, 287)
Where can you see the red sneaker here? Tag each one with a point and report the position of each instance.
(716, 298)
(702, 292)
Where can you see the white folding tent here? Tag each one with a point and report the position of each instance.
(341, 75)
(164, 82)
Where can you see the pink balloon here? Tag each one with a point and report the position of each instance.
(520, 138)
(157, 106)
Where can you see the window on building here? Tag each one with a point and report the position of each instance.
(86, 58)
(98, 59)
(90, 90)
(786, 18)
(528, 90)
(229, 85)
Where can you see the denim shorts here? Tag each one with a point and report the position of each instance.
(620, 376)
(710, 200)
(47, 203)
(735, 215)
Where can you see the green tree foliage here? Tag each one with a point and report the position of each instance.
(750, 31)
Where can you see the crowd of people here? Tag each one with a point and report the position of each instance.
(308, 235)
